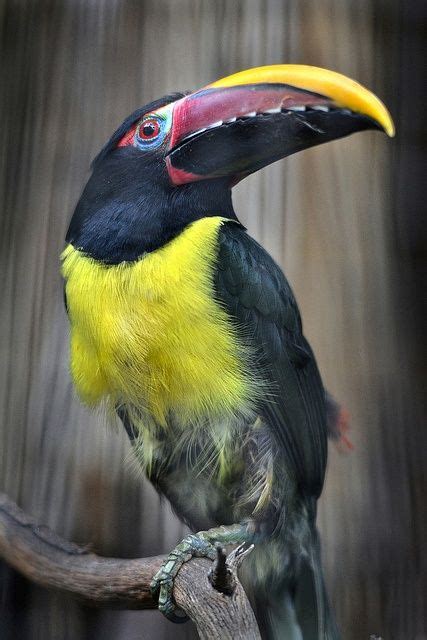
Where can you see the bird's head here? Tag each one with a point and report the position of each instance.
(242, 123)
(187, 151)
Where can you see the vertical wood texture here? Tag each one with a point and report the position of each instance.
(342, 221)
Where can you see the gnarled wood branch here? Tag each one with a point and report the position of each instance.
(45, 558)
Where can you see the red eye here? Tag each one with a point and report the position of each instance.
(148, 129)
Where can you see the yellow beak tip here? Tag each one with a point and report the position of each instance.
(384, 119)
(390, 129)
(342, 90)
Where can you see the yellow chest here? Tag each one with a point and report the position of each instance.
(150, 333)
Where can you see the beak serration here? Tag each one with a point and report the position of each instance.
(345, 92)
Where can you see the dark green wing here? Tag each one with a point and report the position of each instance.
(258, 297)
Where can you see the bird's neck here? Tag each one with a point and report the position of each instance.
(121, 217)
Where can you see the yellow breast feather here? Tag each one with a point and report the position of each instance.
(150, 333)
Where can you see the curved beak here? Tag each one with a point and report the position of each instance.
(248, 120)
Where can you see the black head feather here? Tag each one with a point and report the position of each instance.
(130, 120)
(129, 206)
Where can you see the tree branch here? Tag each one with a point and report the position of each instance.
(45, 558)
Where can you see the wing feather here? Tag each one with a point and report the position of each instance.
(259, 299)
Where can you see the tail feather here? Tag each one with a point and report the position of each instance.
(311, 602)
(300, 612)
(280, 622)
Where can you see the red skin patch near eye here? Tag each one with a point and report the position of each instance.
(179, 176)
(127, 138)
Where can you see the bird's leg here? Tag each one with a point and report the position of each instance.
(199, 545)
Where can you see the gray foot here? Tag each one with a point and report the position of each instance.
(199, 545)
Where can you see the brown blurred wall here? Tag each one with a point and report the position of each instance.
(344, 221)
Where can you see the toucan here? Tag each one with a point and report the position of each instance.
(186, 328)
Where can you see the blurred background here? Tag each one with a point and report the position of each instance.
(345, 221)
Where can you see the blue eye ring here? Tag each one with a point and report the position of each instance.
(150, 132)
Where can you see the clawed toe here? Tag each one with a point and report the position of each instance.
(194, 545)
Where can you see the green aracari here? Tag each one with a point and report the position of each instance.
(185, 327)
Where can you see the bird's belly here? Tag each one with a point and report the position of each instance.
(150, 333)
(218, 473)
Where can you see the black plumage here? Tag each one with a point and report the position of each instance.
(256, 465)
(259, 299)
